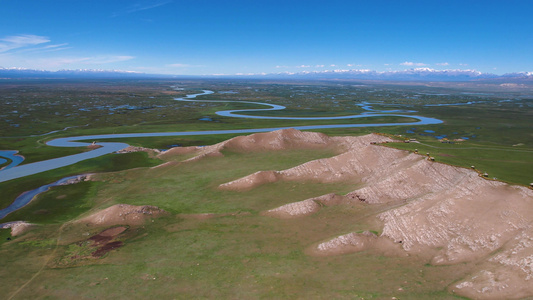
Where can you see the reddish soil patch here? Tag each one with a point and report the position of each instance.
(106, 248)
(105, 240)
(107, 235)
(446, 155)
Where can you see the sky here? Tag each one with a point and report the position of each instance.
(206, 37)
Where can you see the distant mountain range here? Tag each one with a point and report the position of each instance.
(21, 73)
(417, 74)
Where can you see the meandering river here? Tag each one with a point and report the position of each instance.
(14, 170)
(17, 171)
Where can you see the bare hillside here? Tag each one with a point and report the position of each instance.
(122, 214)
(441, 209)
(268, 141)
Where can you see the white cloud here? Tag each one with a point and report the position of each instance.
(140, 7)
(105, 59)
(332, 65)
(409, 63)
(303, 66)
(21, 41)
(28, 43)
(26, 51)
(443, 64)
(25, 39)
(55, 63)
(59, 62)
(54, 46)
(48, 48)
(178, 65)
(54, 49)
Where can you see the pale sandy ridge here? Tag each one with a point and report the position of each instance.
(17, 227)
(305, 207)
(447, 209)
(122, 214)
(268, 141)
(338, 168)
(131, 149)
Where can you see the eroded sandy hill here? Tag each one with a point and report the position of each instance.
(17, 227)
(305, 207)
(440, 209)
(344, 166)
(122, 214)
(268, 141)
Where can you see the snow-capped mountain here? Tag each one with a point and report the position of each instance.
(80, 73)
(424, 74)
(416, 74)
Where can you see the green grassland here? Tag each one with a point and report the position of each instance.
(507, 164)
(107, 163)
(242, 254)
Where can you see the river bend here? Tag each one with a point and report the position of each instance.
(19, 171)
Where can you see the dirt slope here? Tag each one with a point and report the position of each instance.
(17, 227)
(123, 214)
(305, 207)
(267, 141)
(440, 209)
(345, 166)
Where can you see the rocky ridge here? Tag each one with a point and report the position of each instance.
(122, 214)
(269, 141)
(441, 209)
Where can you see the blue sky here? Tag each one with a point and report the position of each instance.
(230, 37)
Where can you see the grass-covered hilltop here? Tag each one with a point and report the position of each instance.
(405, 211)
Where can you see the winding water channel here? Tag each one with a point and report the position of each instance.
(14, 170)
(17, 171)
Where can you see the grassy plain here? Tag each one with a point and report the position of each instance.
(503, 163)
(108, 163)
(242, 254)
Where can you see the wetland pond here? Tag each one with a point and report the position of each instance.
(11, 155)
